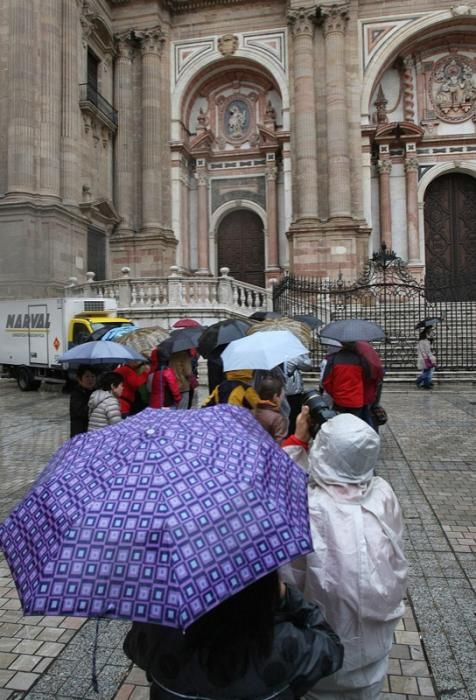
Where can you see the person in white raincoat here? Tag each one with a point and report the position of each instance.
(357, 572)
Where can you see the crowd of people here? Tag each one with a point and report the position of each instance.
(322, 626)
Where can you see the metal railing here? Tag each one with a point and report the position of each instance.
(88, 94)
(387, 294)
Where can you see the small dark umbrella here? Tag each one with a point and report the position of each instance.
(428, 322)
(264, 315)
(312, 321)
(222, 333)
(350, 330)
(181, 339)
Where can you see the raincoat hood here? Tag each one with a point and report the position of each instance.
(240, 375)
(345, 451)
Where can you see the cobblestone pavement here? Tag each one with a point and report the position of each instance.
(428, 455)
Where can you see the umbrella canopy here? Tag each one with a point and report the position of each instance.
(186, 323)
(222, 333)
(106, 333)
(300, 330)
(262, 350)
(350, 330)
(264, 315)
(144, 339)
(330, 342)
(428, 322)
(100, 352)
(312, 321)
(181, 339)
(374, 361)
(158, 518)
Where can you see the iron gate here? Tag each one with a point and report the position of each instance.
(387, 294)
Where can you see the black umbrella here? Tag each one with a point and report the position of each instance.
(428, 322)
(312, 321)
(181, 339)
(222, 333)
(264, 315)
(350, 330)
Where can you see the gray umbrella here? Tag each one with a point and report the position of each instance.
(352, 329)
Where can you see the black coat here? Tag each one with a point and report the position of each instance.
(304, 650)
(78, 410)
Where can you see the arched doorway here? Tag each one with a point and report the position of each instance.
(450, 236)
(241, 246)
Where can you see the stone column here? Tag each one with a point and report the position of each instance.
(302, 23)
(202, 214)
(335, 17)
(124, 141)
(384, 170)
(22, 87)
(51, 91)
(272, 212)
(151, 47)
(71, 117)
(411, 185)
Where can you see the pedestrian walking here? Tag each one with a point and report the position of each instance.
(357, 572)
(264, 642)
(78, 400)
(104, 408)
(268, 409)
(426, 359)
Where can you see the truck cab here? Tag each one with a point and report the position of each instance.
(85, 327)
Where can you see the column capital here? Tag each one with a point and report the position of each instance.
(334, 16)
(201, 178)
(384, 167)
(271, 173)
(123, 43)
(302, 21)
(151, 40)
(411, 164)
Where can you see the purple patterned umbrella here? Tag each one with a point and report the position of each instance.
(158, 518)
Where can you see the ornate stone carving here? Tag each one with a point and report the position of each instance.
(384, 167)
(271, 173)
(123, 43)
(453, 88)
(302, 21)
(381, 105)
(408, 89)
(334, 16)
(459, 10)
(227, 44)
(237, 119)
(202, 120)
(411, 164)
(151, 40)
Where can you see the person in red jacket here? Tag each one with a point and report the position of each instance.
(162, 383)
(345, 378)
(132, 381)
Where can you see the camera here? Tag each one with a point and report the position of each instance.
(319, 411)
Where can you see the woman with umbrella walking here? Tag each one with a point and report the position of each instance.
(426, 359)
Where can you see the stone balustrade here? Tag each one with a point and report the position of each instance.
(168, 298)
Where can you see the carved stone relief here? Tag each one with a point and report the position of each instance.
(453, 88)
(227, 44)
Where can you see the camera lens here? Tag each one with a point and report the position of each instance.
(319, 411)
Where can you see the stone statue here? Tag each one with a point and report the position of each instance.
(236, 121)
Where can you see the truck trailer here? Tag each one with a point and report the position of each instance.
(34, 333)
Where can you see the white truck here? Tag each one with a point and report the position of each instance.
(34, 333)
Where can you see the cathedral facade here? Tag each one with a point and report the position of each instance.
(261, 136)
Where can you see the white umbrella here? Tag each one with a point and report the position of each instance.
(263, 350)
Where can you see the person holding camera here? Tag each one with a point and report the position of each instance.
(357, 572)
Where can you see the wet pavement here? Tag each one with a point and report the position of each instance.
(428, 456)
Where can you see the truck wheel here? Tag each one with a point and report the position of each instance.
(25, 379)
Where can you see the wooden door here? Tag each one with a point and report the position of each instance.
(241, 246)
(450, 236)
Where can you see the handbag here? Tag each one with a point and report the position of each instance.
(428, 363)
(379, 414)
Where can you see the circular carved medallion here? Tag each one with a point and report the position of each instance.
(453, 88)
